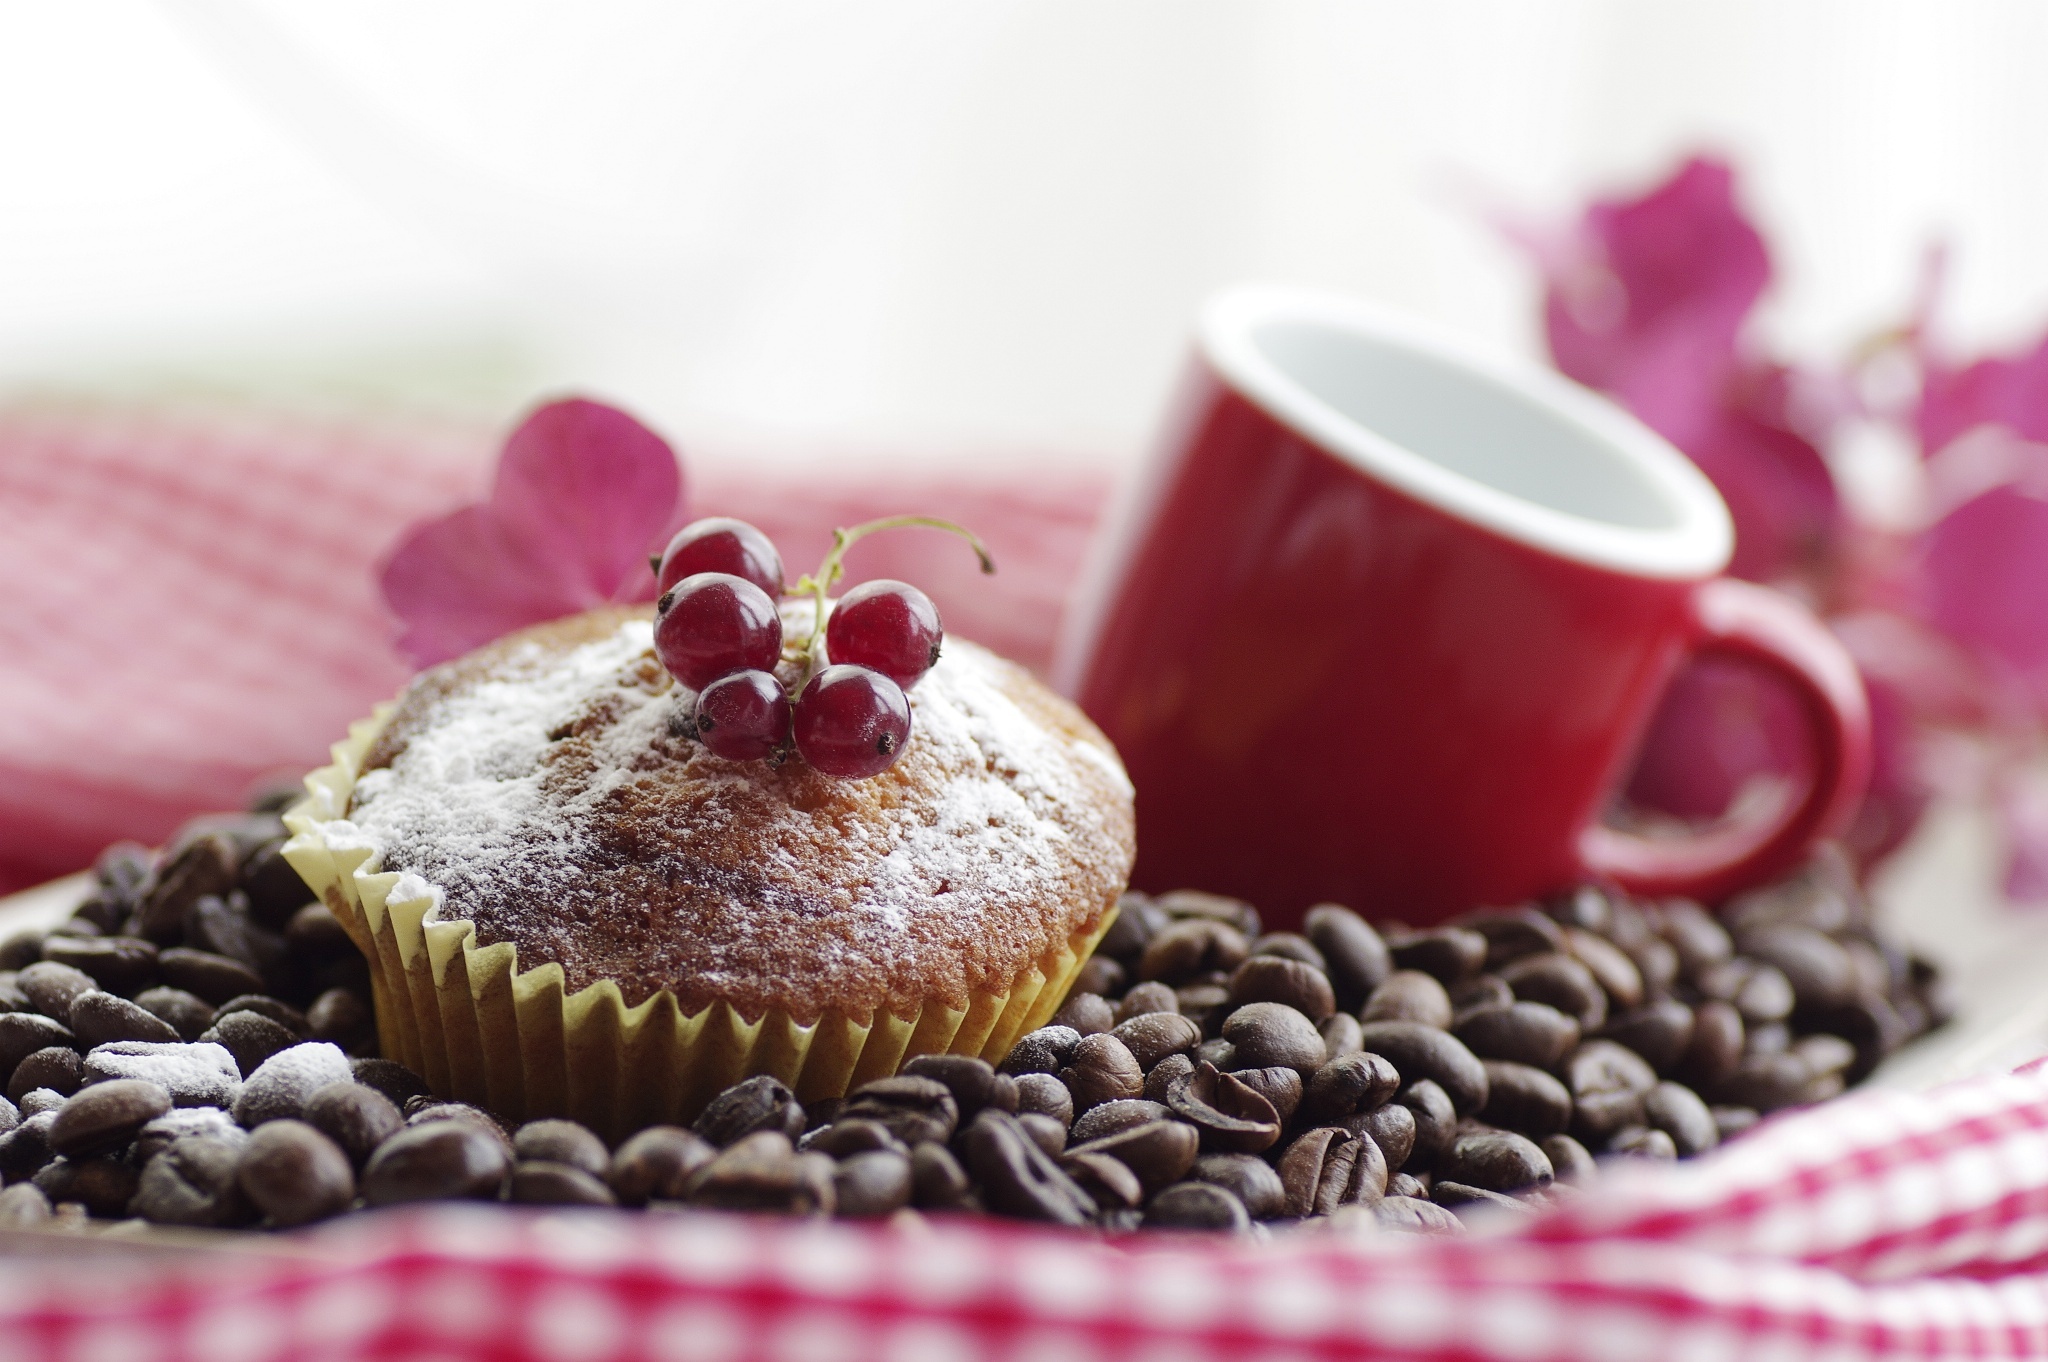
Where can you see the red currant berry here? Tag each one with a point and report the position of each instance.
(889, 627)
(851, 722)
(714, 623)
(721, 544)
(744, 716)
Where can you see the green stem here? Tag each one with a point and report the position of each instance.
(833, 568)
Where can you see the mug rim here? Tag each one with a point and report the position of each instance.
(1699, 545)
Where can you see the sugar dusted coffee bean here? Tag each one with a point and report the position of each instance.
(1100, 1070)
(1144, 998)
(912, 1107)
(294, 1175)
(51, 988)
(657, 1164)
(1679, 1112)
(358, 1118)
(1192, 947)
(938, 1182)
(284, 1083)
(1044, 1051)
(1087, 1013)
(1570, 1162)
(389, 1077)
(209, 1123)
(184, 1013)
(758, 1103)
(871, 1185)
(24, 1033)
(1197, 1206)
(1276, 979)
(1267, 1034)
(1044, 1093)
(540, 1182)
(1562, 982)
(97, 1018)
(1158, 1152)
(1045, 1132)
(118, 964)
(973, 1082)
(441, 1160)
(1411, 996)
(264, 1005)
(1447, 953)
(1418, 1051)
(104, 1186)
(34, 1102)
(23, 1207)
(1496, 1160)
(1525, 1099)
(1155, 1035)
(1248, 1178)
(250, 1037)
(1523, 1032)
(57, 1067)
(105, 1117)
(26, 1148)
(1111, 1117)
(196, 1074)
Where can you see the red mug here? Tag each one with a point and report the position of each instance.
(1385, 619)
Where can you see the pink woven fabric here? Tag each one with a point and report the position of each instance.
(1882, 1226)
(188, 604)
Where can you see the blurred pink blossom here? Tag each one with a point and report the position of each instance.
(583, 494)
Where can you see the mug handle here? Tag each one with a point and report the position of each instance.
(1738, 619)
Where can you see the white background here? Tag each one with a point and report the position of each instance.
(937, 229)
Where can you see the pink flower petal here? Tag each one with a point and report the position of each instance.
(2021, 804)
(1982, 573)
(1777, 485)
(583, 494)
(2010, 391)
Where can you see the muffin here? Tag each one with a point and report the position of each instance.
(572, 908)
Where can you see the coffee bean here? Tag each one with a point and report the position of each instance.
(1044, 1093)
(1219, 1052)
(1044, 1051)
(1111, 1117)
(564, 1142)
(22, 948)
(204, 865)
(51, 988)
(1100, 975)
(1265, 1035)
(358, 1118)
(759, 1103)
(1659, 1031)
(763, 1172)
(10, 1115)
(1716, 1046)
(1700, 941)
(1356, 955)
(1197, 904)
(1196, 1206)
(540, 1182)
(57, 1067)
(210, 1123)
(104, 1186)
(12, 999)
(1463, 1199)
(23, 1206)
(195, 1074)
(1341, 1034)
(1819, 971)
(1208, 1004)
(192, 1182)
(184, 1013)
(1569, 1160)
(1248, 1178)
(118, 964)
(1495, 1160)
(849, 1136)
(1418, 1051)
(342, 1016)
(1016, 1176)
(1279, 1086)
(1524, 1033)
(1643, 1143)
(1768, 1082)
(284, 1083)
(295, 1175)
(105, 1117)
(1292, 946)
(1678, 1112)
(1479, 993)
(1087, 1013)
(1108, 1183)
(1410, 996)
(1608, 1084)
(1525, 1099)
(912, 1107)
(1346, 1087)
(1615, 972)
(1390, 1126)
(1276, 979)
(250, 1037)
(1447, 953)
(1163, 1075)
(1191, 947)
(937, 1181)
(1436, 1120)
(314, 935)
(1327, 1168)
(1230, 1116)
(1760, 992)
(1155, 1035)
(870, 1185)
(1159, 1152)
(1512, 933)
(1562, 982)
(441, 1160)
(26, 1148)
(97, 1018)
(657, 1164)
(425, 1111)
(389, 1077)
(1137, 921)
(1413, 1216)
(24, 1033)
(1144, 998)
(1730, 1121)
(1102, 1069)
(1048, 1134)
(264, 1005)
(973, 1082)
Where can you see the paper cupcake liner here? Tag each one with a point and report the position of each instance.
(479, 1029)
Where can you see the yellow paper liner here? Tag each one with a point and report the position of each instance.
(479, 1029)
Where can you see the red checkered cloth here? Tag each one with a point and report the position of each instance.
(188, 603)
(1882, 1226)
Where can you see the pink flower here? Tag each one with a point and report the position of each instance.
(583, 494)
(2010, 391)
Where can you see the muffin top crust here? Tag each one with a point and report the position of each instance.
(548, 790)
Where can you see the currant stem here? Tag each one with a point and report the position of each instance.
(833, 568)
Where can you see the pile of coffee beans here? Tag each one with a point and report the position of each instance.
(195, 1048)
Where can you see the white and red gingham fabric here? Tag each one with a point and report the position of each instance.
(1883, 1226)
